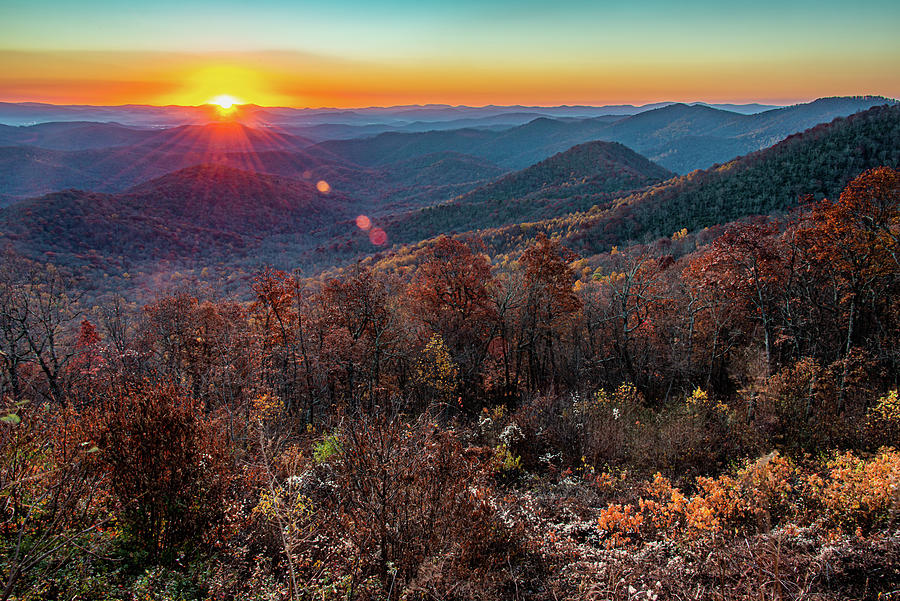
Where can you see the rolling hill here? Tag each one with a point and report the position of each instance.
(73, 135)
(197, 213)
(583, 176)
(228, 199)
(590, 168)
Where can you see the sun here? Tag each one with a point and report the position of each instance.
(225, 101)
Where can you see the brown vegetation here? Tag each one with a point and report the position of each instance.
(717, 425)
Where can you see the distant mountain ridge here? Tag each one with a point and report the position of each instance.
(110, 158)
(679, 137)
(73, 135)
(27, 113)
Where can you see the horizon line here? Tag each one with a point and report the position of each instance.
(779, 102)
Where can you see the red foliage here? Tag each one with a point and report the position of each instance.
(450, 295)
(168, 466)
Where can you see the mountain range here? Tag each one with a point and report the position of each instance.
(679, 137)
(104, 200)
(29, 113)
(110, 157)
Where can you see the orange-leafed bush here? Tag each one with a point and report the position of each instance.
(168, 467)
(858, 493)
(768, 487)
(848, 493)
(622, 522)
(752, 498)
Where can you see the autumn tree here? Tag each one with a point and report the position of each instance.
(624, 306)
(88, 366)
(15, 352)
(198, 344)
(278, 325)
(711, 328)
(436, 374)
(747, 265)
(851, 247)
(450, 295)
(38, 305)
(548, 309)
(360, 335)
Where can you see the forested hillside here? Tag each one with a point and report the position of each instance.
(203, 213)
(581, 177)
(446, 425)
(816, 163)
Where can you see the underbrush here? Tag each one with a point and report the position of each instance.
(535, 503)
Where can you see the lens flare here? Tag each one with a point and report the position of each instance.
(323, 186)
(377, 236)
(363, 222)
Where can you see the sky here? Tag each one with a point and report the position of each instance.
(355, 53)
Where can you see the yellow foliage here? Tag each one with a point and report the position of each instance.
(436, 369)
(625, 394)
(505, 462)
(887, 408)
(699, 401)
(293, 508)
(698, 398)
(610, 278)
(884, 418)
(266, 408)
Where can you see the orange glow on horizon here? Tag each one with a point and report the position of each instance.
(297, 80)
(202, 82)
